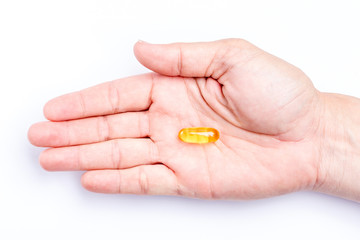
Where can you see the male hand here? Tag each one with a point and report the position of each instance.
(124, 132)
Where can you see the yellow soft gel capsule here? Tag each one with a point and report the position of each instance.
(199, 135)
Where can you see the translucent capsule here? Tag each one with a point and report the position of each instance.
(199, 135)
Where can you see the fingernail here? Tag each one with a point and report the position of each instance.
(141, 41)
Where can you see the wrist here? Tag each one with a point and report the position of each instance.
(339, 140)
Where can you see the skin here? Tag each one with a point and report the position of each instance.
(278, 134)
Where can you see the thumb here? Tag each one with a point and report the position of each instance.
(201, 59)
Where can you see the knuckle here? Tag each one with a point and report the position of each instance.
(237, 42)
(143, 124)
(113, 97)
(103, 129)
(80, 158)
(143, 181)
(180, 60)
(115, 157)
(154, 153)
(119, 188)
(82, 103)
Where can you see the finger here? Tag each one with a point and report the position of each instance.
(202, 59)
(114, 154)
(123, 95)
(148, 179)
(89, 130)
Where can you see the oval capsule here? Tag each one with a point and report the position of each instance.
(199, 135)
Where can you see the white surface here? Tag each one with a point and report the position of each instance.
(48, 48)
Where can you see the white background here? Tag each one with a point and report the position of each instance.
(48, 48)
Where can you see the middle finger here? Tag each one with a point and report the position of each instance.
(90, 130)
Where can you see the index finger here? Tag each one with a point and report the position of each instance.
(123, 95)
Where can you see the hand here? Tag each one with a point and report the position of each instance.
(124, 132)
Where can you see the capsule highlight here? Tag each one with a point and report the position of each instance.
(199, 135)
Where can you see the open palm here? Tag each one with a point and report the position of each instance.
(125, 131)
